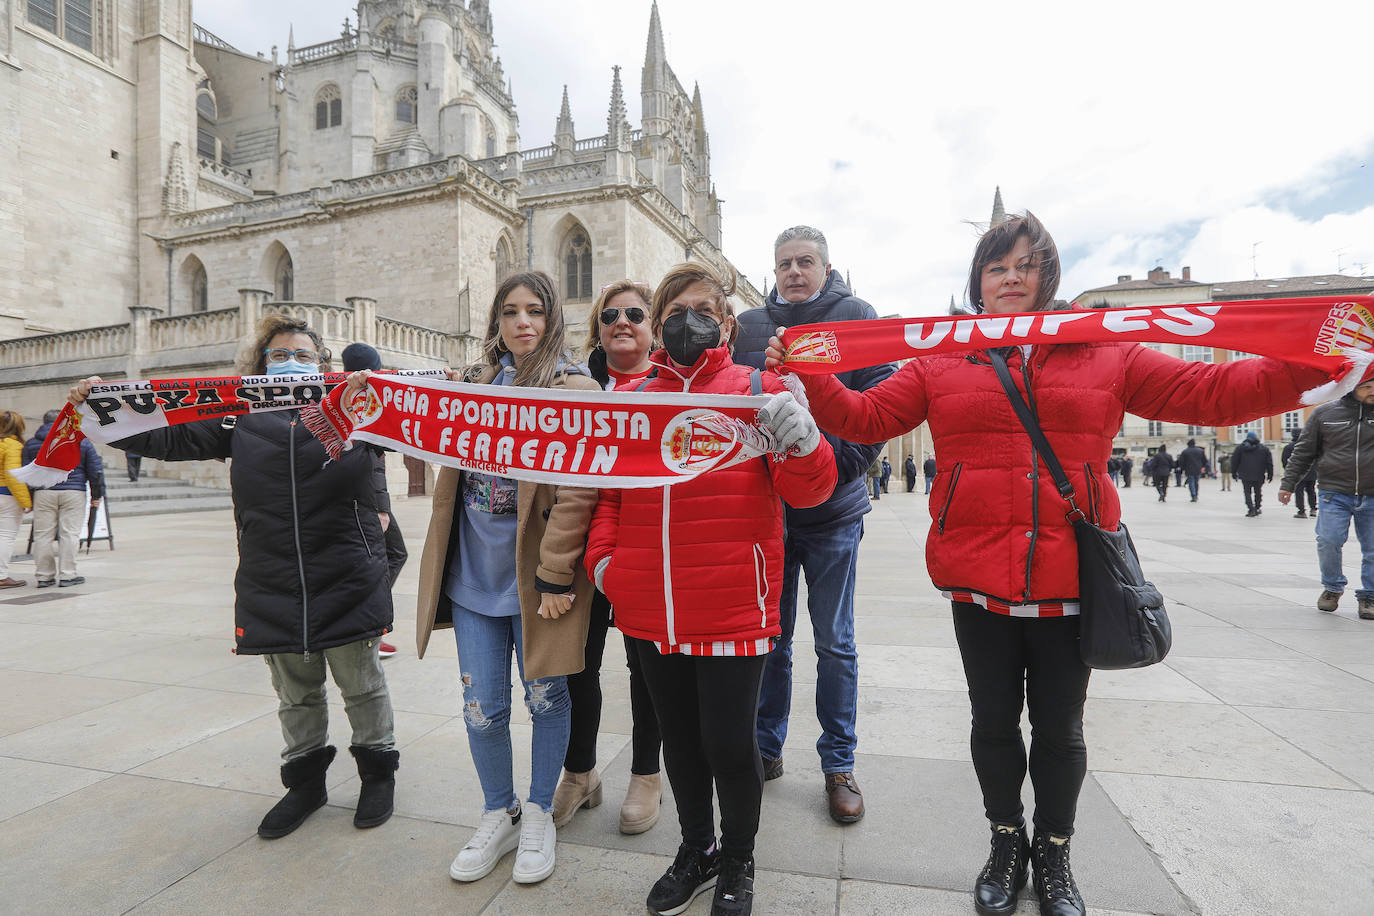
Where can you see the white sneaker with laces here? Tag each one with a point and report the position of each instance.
(498, 833)
(538, 835)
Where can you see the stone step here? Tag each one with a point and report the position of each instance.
(197, 503)
(115, 479)
(124, 494)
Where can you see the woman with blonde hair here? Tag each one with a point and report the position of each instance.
(694, 572)
(14, 496)
(311, 589)
(501, 566)
(619, 340)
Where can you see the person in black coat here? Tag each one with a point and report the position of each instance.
(1192, 461)
(312, 587)
(1252, 464)
(1127, 466)
(929, 470)
(909, 471)
(1161, 466)
(1307, 486)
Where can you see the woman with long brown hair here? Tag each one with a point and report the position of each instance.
(501, 566)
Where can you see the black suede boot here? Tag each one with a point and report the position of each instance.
(377, 771)
(1054, 883)
(1005, 872)
(304, 781)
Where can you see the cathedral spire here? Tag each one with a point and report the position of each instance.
(999, 213)
(696, 105)
(653, 50)
(565, 122)
(617, 122)
(291, 37)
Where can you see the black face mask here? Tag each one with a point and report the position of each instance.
(688, 334)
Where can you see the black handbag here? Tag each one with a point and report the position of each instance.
(1122, 620)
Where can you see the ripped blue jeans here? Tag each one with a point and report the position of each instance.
(484, 650)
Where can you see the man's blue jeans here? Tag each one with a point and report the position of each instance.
(484, 649)
(1333, 527)
(1192, 485)
(829, 560)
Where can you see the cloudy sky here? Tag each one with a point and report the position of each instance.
(1170, 134)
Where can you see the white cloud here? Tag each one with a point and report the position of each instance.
(1126, 130)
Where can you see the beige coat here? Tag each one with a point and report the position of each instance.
(550, 540)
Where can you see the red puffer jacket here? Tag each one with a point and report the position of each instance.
(701, 561)
(998, 526)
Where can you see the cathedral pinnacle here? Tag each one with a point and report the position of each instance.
(563, 135)
(653, 50)
(999, 213)
(617, 122)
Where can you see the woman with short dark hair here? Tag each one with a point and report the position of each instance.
(1000, 546)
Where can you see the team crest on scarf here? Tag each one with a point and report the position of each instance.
(814, 347)
(1347, 325)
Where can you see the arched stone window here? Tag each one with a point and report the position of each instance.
(577, 264)
(387, 29)
(73, 20)
(407, 104)
(328, 107)
(502, 256)
(206, 114)
(284, 278)
(491, 143)
(196, 284)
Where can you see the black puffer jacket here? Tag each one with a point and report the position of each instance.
(312, 562)
(835, 303)
(1252, 462)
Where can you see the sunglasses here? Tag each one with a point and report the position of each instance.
(634, 315)
(281, 355)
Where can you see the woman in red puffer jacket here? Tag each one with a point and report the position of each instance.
(1000, 546)
(694, 571)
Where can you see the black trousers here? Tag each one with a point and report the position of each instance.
(707, 709)
(132, 463)
(1162, 485)
(584, 691)
(1310, 488)
(1254, 492)
(1008, 660)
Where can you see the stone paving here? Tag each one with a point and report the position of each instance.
(138, 754)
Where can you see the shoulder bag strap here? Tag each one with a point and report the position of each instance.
(1032, 425)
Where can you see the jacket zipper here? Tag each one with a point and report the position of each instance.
(1359, 425)
(1093, 489)
(1035, 482)
(761, 583)
(357, 518)
(949, 497)
(296, 531)
(669, 611)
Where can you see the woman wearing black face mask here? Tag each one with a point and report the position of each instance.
(694, 572)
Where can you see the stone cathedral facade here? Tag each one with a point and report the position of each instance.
(162, 189)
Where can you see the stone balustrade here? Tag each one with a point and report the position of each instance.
(194, 330)
(65, 346)
(296, 56)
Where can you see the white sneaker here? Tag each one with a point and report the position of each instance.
(497, 834)
(538, 835)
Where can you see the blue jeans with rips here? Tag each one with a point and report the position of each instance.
(1333, 527)
(484, 650)
(829, 559)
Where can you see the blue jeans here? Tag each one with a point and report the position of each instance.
(1192, 485)
(484, 650)
(829, 559)
(1333, 527)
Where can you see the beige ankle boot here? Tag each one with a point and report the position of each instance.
(575, 790)
(640, 811)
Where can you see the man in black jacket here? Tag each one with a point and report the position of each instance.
(822, 542)
(1192, 461)
(909, 471)
(929, 471)
(1161, 466)
(1338, 441)
(1252, 464)
(1305, 487)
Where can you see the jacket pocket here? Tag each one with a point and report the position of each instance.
(761, 584)
(1094, 494)
(361, 533)
(949, 496)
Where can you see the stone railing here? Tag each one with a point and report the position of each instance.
(402, 337)
(330, 321)
(195, 330)
(543, 152)
(560, 174)
(344, 191)
(87, 343)
(218, 170)
(393, 47)
(594, 143)
(295, 56)
(206, 37)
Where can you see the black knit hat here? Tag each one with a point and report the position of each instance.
(360, 356)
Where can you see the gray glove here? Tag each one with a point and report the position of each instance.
(600, 571)
(792, 426)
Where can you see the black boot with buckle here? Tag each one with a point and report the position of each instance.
(1005, 872)
(1054, 883)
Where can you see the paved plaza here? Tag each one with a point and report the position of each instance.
(138, 754)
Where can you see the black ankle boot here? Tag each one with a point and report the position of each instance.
(377, 771)
(304, 781)
(1054, 883)
(1005, 872)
